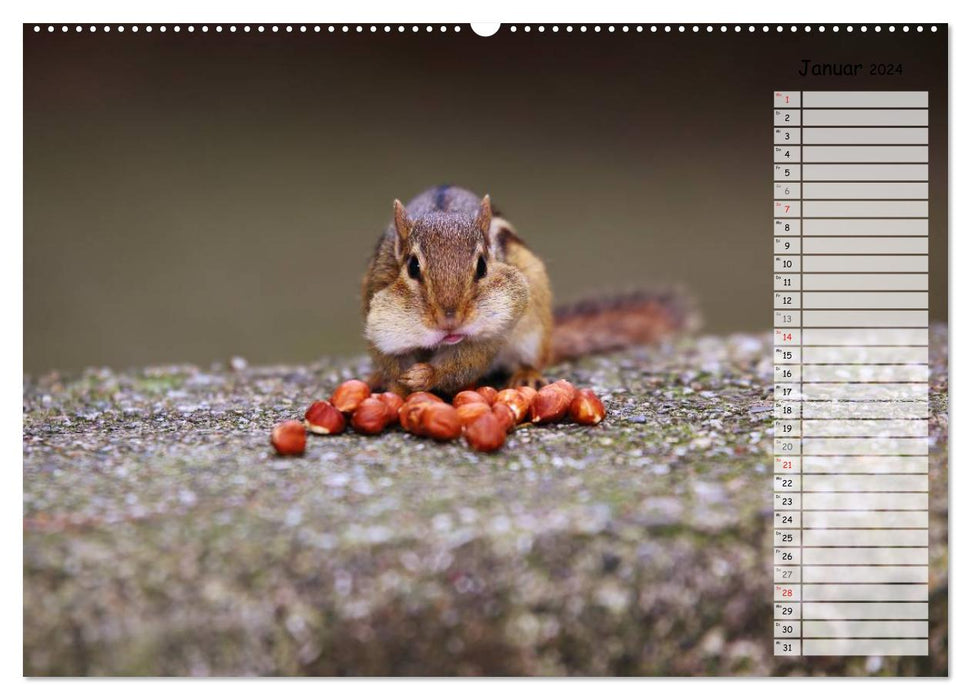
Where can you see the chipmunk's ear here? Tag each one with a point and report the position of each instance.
(402, 224)
(484, 218)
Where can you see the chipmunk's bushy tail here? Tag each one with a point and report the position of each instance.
(612, 323)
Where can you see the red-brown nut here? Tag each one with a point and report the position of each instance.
(423, 396)
(507, 418)
(470, 411)
(529, 392)
(466, 397)
(516, 400)
(349, 395)
(289, 438)
(551, 404)
(440, 421)
(488, 393)
(485, 433)
(322, 418)
(565, 386)
(371, 417)
(586, 408)
(393, 403)
(409, 416)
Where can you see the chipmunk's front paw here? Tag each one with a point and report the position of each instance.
(419, 377)
(527, 376)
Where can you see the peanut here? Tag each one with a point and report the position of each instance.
(566, 387)
(440, 421)
(393, 403)
(507, 419)
(586, 408)
(516, 400)
(488, 393)
(349, 395)
(423, 396)
(466, 397)
(529, 392)
(485, 433)
(551, 404)
(409, 416)
(470, 411)
(371, 417)
(483, 414)
(322, 418)
(289, 438)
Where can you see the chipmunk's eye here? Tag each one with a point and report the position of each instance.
(480, 268)
(414, 270)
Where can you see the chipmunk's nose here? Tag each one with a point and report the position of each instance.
(448, 319)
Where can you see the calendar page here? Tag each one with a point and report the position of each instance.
(452, 350)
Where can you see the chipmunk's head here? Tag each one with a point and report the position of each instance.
(451, 285)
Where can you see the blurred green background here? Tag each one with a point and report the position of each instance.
(189, 197)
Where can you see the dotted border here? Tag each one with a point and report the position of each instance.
(511, 28)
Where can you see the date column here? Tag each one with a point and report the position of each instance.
(787, 320)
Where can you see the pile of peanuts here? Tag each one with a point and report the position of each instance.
(484, 416)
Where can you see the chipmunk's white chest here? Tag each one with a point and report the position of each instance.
(522, 348)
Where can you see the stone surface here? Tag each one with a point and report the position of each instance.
(162, 536)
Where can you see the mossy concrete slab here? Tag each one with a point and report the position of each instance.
(163, 537)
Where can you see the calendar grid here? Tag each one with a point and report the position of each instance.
(802, 517)
(851, 333)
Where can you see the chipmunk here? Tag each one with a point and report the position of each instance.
(453, 294)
